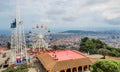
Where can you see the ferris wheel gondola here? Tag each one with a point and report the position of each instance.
(40, 37)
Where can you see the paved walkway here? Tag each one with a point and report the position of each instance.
(39, 67)
(2, 69)
(32, 70)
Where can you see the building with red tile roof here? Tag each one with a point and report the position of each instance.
(64, 61)
(3, 49)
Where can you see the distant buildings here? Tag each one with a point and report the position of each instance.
(68, 42)
(72, 40)
(2, 49)
(4, 38)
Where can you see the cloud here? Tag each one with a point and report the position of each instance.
(5, 6)
(95, 2)
(88, 12)
(45, 21)
(111, 14)
(55, 12)
(69, 19)
(115, 21)
(108, 11)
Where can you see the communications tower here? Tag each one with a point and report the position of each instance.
(18, 43)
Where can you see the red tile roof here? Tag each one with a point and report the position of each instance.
(3, 49)
(65, 59)
(66, 54)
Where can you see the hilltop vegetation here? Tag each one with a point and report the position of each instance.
(19, 68)
(105, 66)
(95, 46)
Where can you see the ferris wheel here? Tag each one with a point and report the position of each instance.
(40, 37)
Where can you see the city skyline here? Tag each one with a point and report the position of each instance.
(63, 14)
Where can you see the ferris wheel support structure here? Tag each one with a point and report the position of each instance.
(41, 44)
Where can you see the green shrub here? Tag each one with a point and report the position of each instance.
(106, 66)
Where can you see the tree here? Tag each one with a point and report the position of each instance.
(114, 51)
(83, 46)
(95, 46)
(103, 52)
(20, 68)
(84, 39)
(91, 45)
(105, 66)
(8, 45)
(55, 47)
(9, 70)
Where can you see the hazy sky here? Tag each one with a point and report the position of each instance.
(63, 14)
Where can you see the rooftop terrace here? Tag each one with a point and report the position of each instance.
(66, 55)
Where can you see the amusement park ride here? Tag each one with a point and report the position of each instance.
(18, 43)
(39, 39)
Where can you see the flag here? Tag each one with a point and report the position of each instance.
(41, 26)
(13, 25)
(37, 26)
